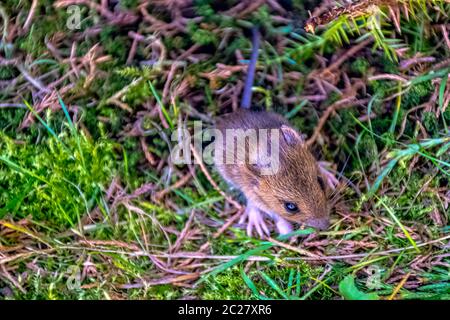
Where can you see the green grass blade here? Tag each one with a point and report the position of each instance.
(50, 130)
(240, 258)
(297, 284)
(349, 291)
(18, 168)
(274, 285)
(442, 88)
(290, 280)
(249, 283)
(161, 105)
(66, 112)
(376, 185)
(72, 129)
(303, 232)
(397, 221)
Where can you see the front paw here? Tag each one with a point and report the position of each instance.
(255, 222)
(283, 226)
(331, 179)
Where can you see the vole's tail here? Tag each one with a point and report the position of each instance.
(247, 94)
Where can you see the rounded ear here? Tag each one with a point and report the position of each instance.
(291, 136)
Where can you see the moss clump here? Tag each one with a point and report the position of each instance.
(360, 66)
(430, 122)
(115, 43)
(227, 285)
(7, 72)
(50, 180)
(417, 94)
(368, 152)
(202, 36)
(50, 23)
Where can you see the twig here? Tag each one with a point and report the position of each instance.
(183, 233)
(445, 34)
(12, 105)
(294, 249)
(166, 280)
(8, 276)
(148, 155)
(318, 258)
(388, 77)
(227, 224)
(349, 53)
(341, 104)
(400, 285)
(211, 181)
(184, 180)
(36, 83)
(27, 23)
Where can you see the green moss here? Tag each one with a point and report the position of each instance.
(129, 4)
(114, 43)
(381, 125)
(446, 114)
(431, 123)
(360, 66)
(344, 121)
(7, 72)
(204, 9)
(201, 36)
(176, 42)
(368, 151)
(388, 65)
(10, 119)
(50, 23)
(417, 95)
(138, 94)
(381, 88)
(51, 182)
(228, 285)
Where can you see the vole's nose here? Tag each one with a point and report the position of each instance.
(321, 223)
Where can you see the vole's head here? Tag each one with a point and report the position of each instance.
(296, 191)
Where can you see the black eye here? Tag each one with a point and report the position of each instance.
(291, 207)
(321, 183)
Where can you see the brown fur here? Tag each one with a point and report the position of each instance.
(296, 181)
